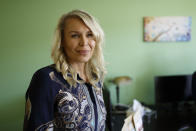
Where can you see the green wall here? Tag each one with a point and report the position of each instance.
(26, 35)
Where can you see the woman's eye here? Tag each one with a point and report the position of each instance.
(74, 35)
(90, 35)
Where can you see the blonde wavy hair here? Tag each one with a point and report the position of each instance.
(95, 67)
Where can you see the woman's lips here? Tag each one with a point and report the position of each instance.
(83, 52)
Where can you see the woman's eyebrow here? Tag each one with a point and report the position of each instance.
(73, 32)
(79, 31)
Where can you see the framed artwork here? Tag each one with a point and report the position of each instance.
(167, 29)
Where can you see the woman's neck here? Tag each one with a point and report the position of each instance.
(80, 69)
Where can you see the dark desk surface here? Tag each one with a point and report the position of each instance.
(170, 121)
(164, 120)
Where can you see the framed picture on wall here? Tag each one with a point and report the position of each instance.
(167, 29)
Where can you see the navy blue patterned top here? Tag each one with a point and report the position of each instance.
(53, 105)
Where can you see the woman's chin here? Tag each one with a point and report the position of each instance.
(84, 59)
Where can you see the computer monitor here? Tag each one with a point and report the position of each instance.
(173, 89)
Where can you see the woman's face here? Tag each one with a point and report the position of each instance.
(78, 42)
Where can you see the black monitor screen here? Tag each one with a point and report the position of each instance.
(170, 89)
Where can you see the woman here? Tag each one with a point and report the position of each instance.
(68, 94)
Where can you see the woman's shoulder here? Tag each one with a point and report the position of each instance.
(45, 70)
(47, 80)
(45, 73)
(42, 77)
(48, 75)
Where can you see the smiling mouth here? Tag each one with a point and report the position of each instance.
(83, 52)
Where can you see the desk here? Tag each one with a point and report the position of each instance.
(117, 120)
(165, 121)
(172, 120)
(118, 117)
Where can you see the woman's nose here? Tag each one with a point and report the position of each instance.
(83, 41)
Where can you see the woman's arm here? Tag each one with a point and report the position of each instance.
(39, 103)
